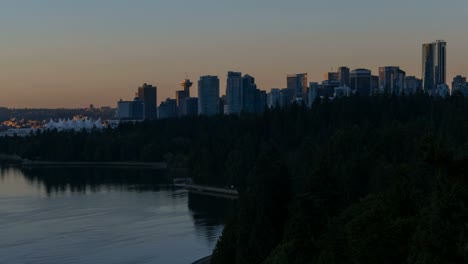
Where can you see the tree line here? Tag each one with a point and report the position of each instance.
(354, 180)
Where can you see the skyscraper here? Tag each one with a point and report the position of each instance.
(180, 102)
(168, 109)
(374, 90)
(343, 76)
(434, 65)
(131, 110)
(234, 93)
(361, 82)
(298, 83)
(274, 98)
(148, 94)
(249, 94)
(412, 85)
(391, 80)
(313, 92)
(208, 95)
(260, 101)
(459, 84)
(331, 76)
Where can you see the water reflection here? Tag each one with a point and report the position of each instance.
(82, 180)
(128, 215)
(209, 212)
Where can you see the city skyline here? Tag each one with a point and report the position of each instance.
(69, 54)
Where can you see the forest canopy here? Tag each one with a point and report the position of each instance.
(354, 180)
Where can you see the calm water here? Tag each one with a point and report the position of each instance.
(104, 216)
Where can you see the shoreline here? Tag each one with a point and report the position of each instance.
(152, 165)
(205, 260)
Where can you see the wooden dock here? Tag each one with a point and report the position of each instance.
(212, 190)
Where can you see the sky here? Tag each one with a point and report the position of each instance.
(72, 53)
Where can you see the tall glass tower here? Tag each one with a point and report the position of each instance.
(208, 95)
(391, 80)
(234, 93)
(298, 84)
(149, 95)
(434, 61)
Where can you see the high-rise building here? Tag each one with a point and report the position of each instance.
(434, 60)
(412, 85)
(131, 110)
(331, 76)
(391, 80)
(223, 105)
(288, 96)
(343, 76)
(208, 95)
(458, 84)
(442, 90)
(361, 82)
(260, 101)
(168, 109)
(342, 91)
(191, 107)
(313, 92)
(181, 102)
(234, 93)
(374, 85)
(327, 89)
(274, 98)
(298, 83)
(180, 97)
(249, 94)
(148, 94)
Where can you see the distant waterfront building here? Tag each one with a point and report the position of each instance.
(391, 80)
(374, 85)
(313, 92)
(181, 102)
(260, 101)
(361, 82)
(191, 107)
(222, 105)
(434, 62)
(459, 84)
(148, 94)
(274, 98)
(186, 84)
(413, 85)
(131, 110)
(298, 83)
(327, 89)
(208, 95)
(288, 96)
(250, 94)
(442, 90)
(183, 99)
(331, 76)
(168, 109)
(234, 93)
(342, 91)
(68, 125)
(343, 76)
(180, 97)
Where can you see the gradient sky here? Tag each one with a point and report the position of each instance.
(70, 53)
